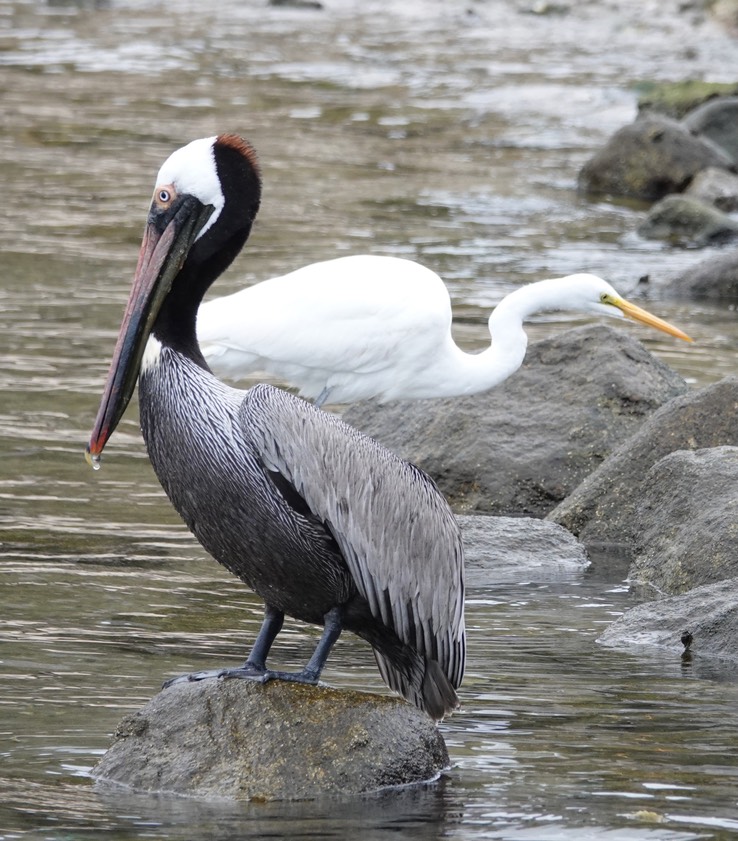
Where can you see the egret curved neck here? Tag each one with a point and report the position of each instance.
(469, 373)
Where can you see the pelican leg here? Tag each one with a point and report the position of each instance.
(270, 627)
(332, 627)
(255, 667)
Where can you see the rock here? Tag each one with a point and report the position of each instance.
(717, 121)
(242, 740)
(713, 279)
(505, 549)
(603, 508)
(676, 99)
(708, 615)
(726, 12)
(682, 220)
(686, 524)
(716, 187)
(525, 445)
(649, 159)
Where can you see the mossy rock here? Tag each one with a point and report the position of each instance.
(676, 99)
(243, 740)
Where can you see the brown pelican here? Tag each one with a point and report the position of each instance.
(370, 326)
(321, 521)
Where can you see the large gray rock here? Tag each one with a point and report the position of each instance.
(687, 522)
(504, 549)
(716, 187)
(717, 120)
(525, 445)
(686, 221)
(649, 159)
(713, 279)
(708, 614)
(603, 508)
(242, 740)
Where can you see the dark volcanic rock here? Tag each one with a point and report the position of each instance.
(649, 159)
(525, 445)
(686, 221)
(687, 521)
(715, 279)
(708, 615)
(242, 740)
(603, 508)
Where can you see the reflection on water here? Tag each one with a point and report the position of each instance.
(449, 134)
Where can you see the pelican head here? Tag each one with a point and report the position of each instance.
(205, 199)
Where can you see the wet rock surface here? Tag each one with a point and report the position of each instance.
(717, 121)
(501, 549)
(522, 447)
(700, 623)
(603, 508)
(649, 159)
(241, 740)
(686, 524)
(713, 279)
(715, 187)
(685, 221)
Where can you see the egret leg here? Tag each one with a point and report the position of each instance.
(322, 397)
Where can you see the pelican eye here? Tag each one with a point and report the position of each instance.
(164, 196)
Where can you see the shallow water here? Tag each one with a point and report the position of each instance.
(449, 135)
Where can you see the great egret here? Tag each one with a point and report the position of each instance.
(369, 326)
(321, 521)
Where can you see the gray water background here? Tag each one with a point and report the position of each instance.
(450, 133)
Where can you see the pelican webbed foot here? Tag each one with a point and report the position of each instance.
(246, 672)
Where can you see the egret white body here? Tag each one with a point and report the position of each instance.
(370, 326)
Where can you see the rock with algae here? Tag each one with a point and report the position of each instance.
(243, 740)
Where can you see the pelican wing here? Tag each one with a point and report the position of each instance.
(396, 532)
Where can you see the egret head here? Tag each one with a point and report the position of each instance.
(590, 293)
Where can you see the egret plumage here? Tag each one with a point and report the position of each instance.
(322, 522)
(370, 326)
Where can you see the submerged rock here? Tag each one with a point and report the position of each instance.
(649, 159)
(686, 221)
(701, 623)
(714, 279)
(242, 740)
(687, 521)
(526, 444)
(603, 508)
